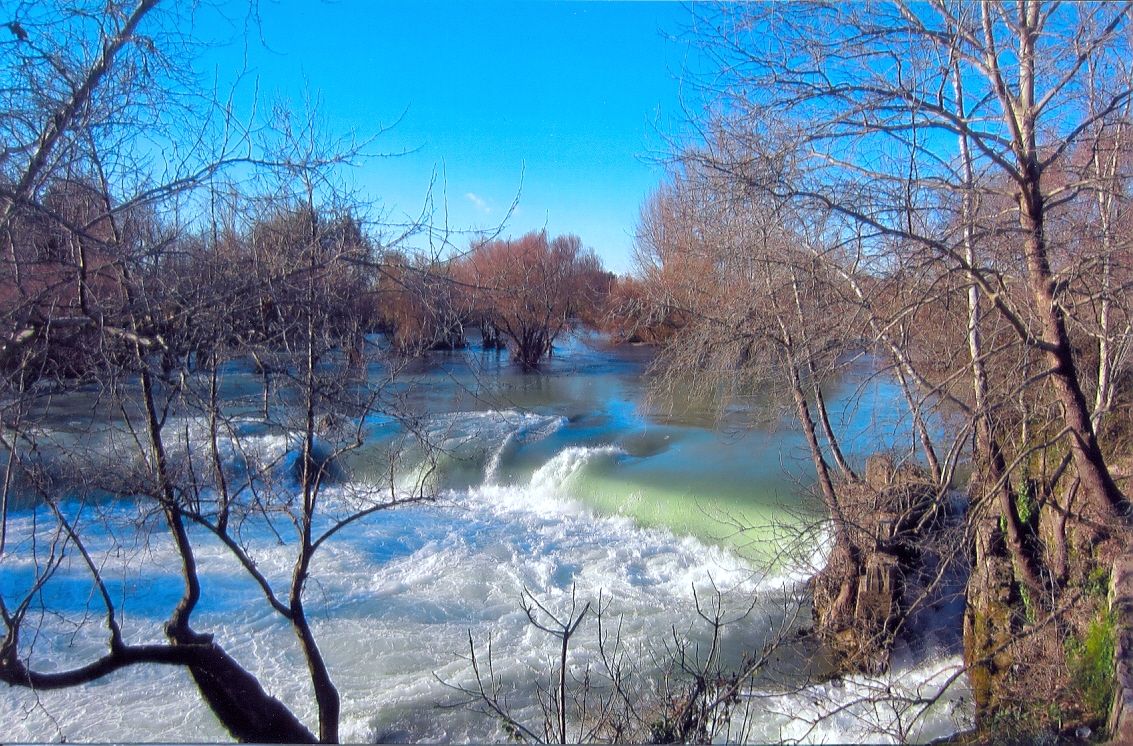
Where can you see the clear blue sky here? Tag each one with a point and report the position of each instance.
(562, 103)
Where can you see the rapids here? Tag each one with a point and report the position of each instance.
(570, 483)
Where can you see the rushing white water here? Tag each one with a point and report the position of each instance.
(393, 604)
(394, 599)
(521, 427)
(860, 709)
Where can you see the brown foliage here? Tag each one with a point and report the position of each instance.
(421, 305)
(529, 289)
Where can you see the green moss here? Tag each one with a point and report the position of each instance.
(1090, 661)
(986, 651)
(1029, 609)
(1097, 582)
(1025, 502)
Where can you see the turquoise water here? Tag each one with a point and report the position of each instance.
(694, 466)
(576, 481)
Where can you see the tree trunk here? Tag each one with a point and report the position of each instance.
(326, 694)
(236, 698)
(1105, 501)
(819, 399)
(989, 455)
(822, 469)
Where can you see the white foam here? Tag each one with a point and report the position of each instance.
(909, 704)
(393, 599)
(524, 427)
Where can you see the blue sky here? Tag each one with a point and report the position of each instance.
(565, 104)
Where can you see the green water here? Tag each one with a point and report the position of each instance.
(733, 473)
(737, 475)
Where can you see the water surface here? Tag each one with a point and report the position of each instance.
(574, 483)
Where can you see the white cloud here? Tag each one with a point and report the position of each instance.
(479, 203)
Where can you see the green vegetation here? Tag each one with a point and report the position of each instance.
(1091, 664)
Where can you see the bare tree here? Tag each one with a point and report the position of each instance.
(599, 691)
(526, 290)
(938, 160)
(126, 289)
(1022, 128)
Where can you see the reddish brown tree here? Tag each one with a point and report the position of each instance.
(528, 289)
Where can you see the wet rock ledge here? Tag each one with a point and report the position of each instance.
(1120, 725)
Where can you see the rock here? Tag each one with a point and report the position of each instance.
(1120, 725)
(859, 597)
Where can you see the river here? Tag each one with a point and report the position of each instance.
(570, 483)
